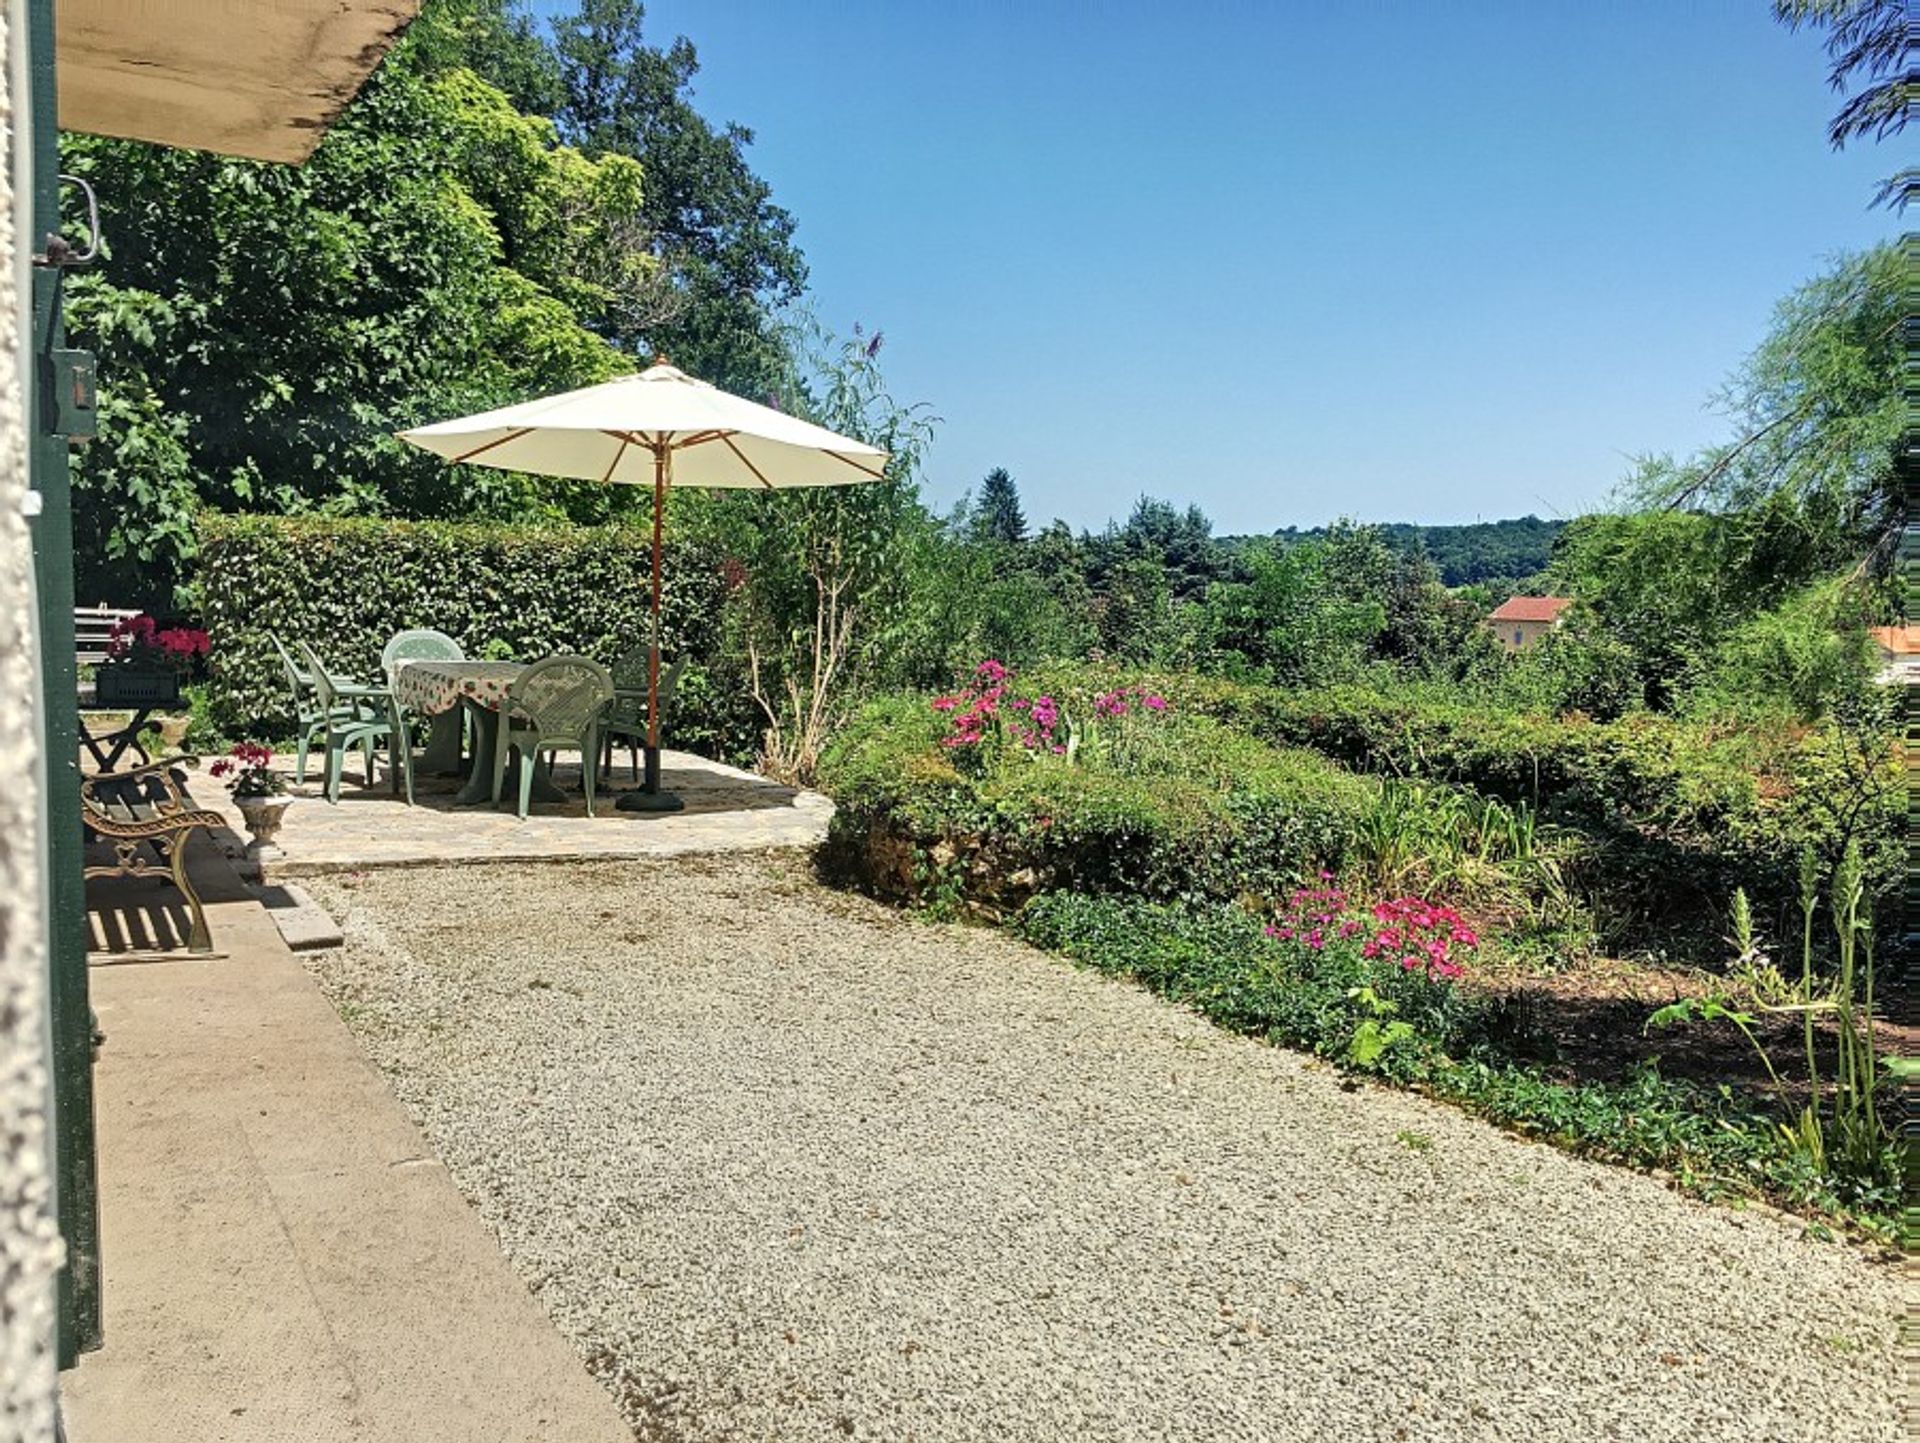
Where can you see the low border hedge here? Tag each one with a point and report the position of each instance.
(1679, 813)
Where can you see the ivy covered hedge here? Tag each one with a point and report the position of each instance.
(347, 585)
(1211, 814)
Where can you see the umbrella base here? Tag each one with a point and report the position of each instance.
(645, 801)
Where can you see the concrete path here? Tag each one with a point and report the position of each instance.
(727, 809)
(285, 1259)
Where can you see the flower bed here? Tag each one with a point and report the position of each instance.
(1672, 815)
(980, 798)
(1361, 1005)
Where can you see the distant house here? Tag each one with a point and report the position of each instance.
(1898, 649)
(1520, 621)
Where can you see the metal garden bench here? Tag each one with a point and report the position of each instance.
(146, 809)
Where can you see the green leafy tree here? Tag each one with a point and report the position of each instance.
(1725, 587)
(1818, 412)
(1294, 619)
(1808, 657)
(1874, 46)
(498, 40)
(263, 329)
(728, 249)
(835, 589)
(1136, 613)
(1649, 582)
(1179, 542)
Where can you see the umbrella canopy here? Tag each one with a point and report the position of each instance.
(615, 431)
(661, 427)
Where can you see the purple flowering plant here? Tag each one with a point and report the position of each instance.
(992, 712)
(1418, 935)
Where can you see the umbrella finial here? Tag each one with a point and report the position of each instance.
(660, 359)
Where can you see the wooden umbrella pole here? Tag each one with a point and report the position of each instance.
(649, 798)
(661, 460)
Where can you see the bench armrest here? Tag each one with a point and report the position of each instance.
(139, 779)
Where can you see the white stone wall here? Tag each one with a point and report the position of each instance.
(29, 1239)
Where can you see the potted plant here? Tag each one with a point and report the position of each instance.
(145, 662)
(260, 794)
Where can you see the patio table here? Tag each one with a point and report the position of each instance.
(108, 747)
(439, 688)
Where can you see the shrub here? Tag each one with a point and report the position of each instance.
(1164, 806)
(1334, 999)
(1670, 816)
(347, 585)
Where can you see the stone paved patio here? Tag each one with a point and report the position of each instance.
(727, 809)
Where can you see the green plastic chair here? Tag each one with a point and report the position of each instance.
(626, 715)
(553, 705)
(420, 644)
(355, 716)
(308, 714)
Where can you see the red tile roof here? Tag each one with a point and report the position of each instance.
(1532, 608)
(1897, 640)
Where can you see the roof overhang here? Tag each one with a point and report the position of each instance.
(261, 79)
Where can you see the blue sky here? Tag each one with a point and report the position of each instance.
(1420, 261)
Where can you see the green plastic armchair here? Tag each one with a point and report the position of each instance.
(553, 705)
(626, 715)
(308, 714)
(355, 716)
(420, 644)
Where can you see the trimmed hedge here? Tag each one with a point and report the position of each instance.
(1220, 815)
(1679, 813)
(347, 585)
(1665, 817)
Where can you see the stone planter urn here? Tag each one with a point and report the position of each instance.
(263, 816)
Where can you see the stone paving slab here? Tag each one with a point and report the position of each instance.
(727, 810)
(285, 1259)
(304, 924)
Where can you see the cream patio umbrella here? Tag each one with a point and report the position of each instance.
(660, 426)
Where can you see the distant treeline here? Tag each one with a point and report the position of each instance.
(1479, 551)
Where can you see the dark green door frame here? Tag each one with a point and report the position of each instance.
(52, 534)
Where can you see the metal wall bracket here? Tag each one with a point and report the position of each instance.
(59, 251)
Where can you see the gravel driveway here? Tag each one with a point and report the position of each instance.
(788, 1166)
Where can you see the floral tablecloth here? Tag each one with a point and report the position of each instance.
(431, 687)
